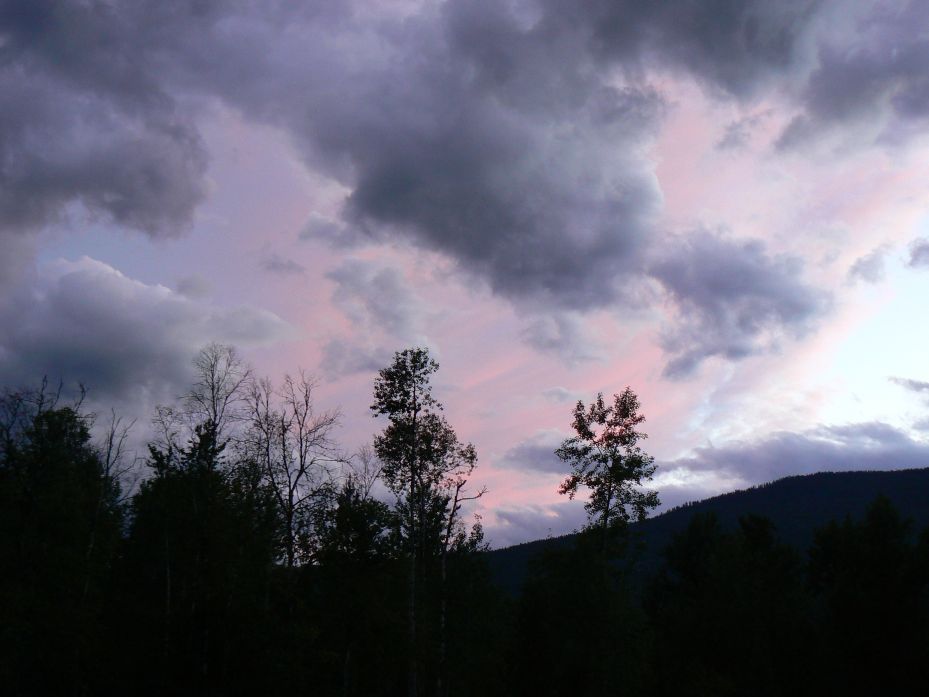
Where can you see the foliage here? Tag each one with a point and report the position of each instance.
(187, 587)
(605, 458)
(60, 523)
(427, 468)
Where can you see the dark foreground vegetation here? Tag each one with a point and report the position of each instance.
(257, 559)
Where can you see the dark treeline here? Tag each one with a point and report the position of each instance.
(258, 558)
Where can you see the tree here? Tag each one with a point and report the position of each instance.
(60, 523)
(198, 564)
(870, 579)
(294, 447)
(605, 457)
(214, 401)
(427, 468)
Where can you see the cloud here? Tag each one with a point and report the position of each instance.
(342, 358)
(873, 76)
(486, 143)
(911, 385)
(513, 138)
(919, 254)
(334, 232)
(536, 453)
(85, 119)
(384, 312)
(376, 296)
(561, 395)
(194, 287)
(125, 340)
(868, 268)
(864, 446)
(517, 524)
(277, 265)
(563, 334)
(731, 300)
(738, 133)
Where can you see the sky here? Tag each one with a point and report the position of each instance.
(721, 204)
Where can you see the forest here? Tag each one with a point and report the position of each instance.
(256, 557)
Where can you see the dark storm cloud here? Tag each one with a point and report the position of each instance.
(511, 137)
(86, 322)
(84, 119)
(731, 45)
(732, 299)
(875, 75)
(865, 446)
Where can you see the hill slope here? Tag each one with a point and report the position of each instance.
(796, 505)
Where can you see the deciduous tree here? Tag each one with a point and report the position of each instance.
(605, 458)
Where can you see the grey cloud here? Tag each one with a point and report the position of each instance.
(511, 137)
(374, 295)
(876, 75)
(563, 334)
(731, 45)
(342, 358)
(280, 266)
(503, 169)
(194, 287)
(561, 395)
(536, 453)
(919, 254)
(911, 385)
(515, 525)
(869, 268)
(16, 260)
(84, 119)
(865, 446)
(85, 321)
(334, 232)
(732, 300)
(738, 133)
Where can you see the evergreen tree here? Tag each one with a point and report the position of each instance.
(60, 523)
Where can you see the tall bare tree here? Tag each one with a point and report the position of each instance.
(296, 450)
(215, 403)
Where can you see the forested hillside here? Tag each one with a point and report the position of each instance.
(796, 506)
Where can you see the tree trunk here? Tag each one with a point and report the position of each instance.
(411, 612)
(412, 687)
(441, 686)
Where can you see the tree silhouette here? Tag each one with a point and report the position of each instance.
(605, 458)
(60, 524)
(293, 446)
(427, 468)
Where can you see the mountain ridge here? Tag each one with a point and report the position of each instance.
(797, 505)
